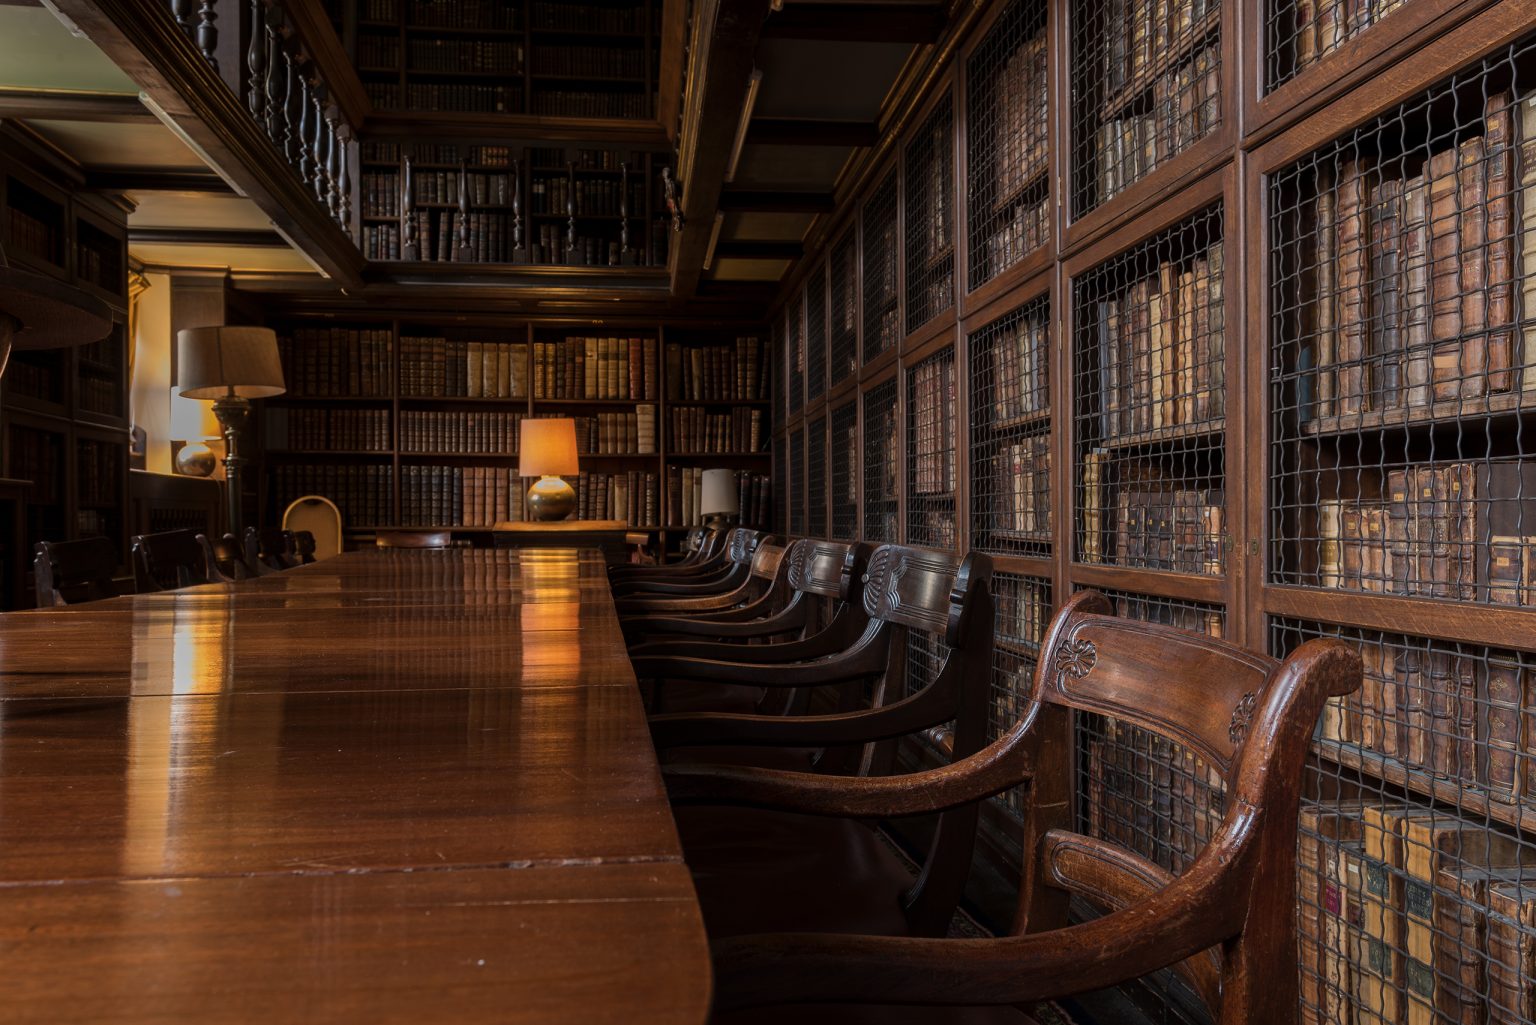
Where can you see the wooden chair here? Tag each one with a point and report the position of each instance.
(251, 555)
(709, 556)
(270, 551)
(71, 572)
(732, 569)
(906, 590)
(414, 539)
(1227, 923)
(226, 556)
(304, 546)
(172, 559)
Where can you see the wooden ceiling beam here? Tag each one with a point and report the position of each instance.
(152, 179)
(245, 238)
(858, 22)
(793, 131)
(768, 201)
(72, 105)
(758, 249)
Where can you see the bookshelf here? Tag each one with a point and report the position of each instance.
(817, 520)
(816, 335)
(843, 310)
(797, 505)
(882, 457)
(414, 422)
(932, 454)
(843, 454)
(1010, 433)
(930, 217)
(879, 255)
(794, 339)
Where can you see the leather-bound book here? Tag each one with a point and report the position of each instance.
(1353, 308)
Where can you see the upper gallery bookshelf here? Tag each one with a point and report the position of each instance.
(596, 59)
(411, 423)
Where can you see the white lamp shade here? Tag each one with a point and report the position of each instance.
(720, 494)
(192, 420)
(547, 447)
(216, 361)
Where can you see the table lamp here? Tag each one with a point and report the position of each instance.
(547, 448)
(231, 366)
(720, 499)
(193, 424)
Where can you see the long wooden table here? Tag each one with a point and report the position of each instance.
(395, 786)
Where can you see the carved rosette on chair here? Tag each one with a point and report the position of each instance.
(40, 313)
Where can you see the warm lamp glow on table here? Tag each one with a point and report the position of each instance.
(547, 449)
(720, 499)
(231, 366)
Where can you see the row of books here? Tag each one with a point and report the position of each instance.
(1023, 609)
(1140, 34)
(714, 373)
(1162, 349)
(1020, 499)
(334, 361)
(1186, 105)
(453, 496)
(487, 56)
(618, 433)
(571, 17)
(1322, 26)
(589, 103)
(1020, 232)
(40, 379)
(380, 192)
(1412, 915)
(498, 15)
(1176, 530)
(1464, 531)
(449, 153)
(1415, 276)
(632, 497)
(595, 368)
(1020, 131)
(1451, 715)
(34, 236)
(694, 430)
(100, 264)
(99, 472)
(584, 159)
(1020, 359)
(437, 238)
(590, 61)
(930, 227)
(443, 187)
(379, 53)
(552, 245)
(364, 494)
(480, 99)
(592, 196)
(380, 10)
(343, 430)
(38, 456)
(933, 418)
(685, 496)
(445, 368)
(473, 433)
(99, 394)
(880, 272)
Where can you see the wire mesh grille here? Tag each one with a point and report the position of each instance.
(926, 653)
(794, 332)
(1008, 150)
(779, 356)
(1146, 85)
(882, 452)
(1139, 790)
(845, 468)
(931, 450)
(816, 334)
(1151, 402)
(843, 348)
(930, 217)
(797, 483)
(1402, 376)
(1415, 902)
(1010, 421)
(781, 482)
(882, 313)
(1023, 607)
(1302, 32)
(816, 478)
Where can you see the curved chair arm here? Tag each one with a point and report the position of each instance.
(803, 650)
(866, 658)
(1200, 909)
(654, 605)
(676, 635)
(705, 623)
(766, 606)
(731, 575)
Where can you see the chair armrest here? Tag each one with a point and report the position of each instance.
(785, 651)
(1199, 910)
(668, 587)
(654, 605)
(750, 674)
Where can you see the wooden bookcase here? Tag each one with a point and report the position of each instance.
(1267, 375)
(389, 418)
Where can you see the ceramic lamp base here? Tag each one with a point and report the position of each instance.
(551, 498)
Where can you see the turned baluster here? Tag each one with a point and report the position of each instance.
(181, 10)
(333, 162)
(465, 253)
(519, 252)
(408, 247)
(344, 178)
(208, 32)
(572, 256)
(306, 129)
(623, 254)
(317, 143)
(274, 80)
(256, 64)
(292, 57)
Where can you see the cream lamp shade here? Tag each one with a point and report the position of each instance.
(720, 495)
(212, 362)
(547, 447)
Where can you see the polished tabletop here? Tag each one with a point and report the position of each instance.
(397, 785)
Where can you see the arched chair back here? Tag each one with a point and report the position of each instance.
(250, 546)
(226, 556)
(171, 559)
(273, 548)
(730, 576)
(319, 516)
(71, 572)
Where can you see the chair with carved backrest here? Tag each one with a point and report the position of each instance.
(304, 546)
(699, 544)
(272, 550)
(730, 582)
(712, 558)
(70, 572)
(1226, 923)
(226, 555)
(906, 591)
(171, 559)
(770, 598)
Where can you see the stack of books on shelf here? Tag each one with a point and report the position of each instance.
(1162, 351)
(98, 472)
(380, 10)
(595, 368)
(338, 361)
(1022, 119)
(685, 493)
(437, 237)
(443, 187)
(494, 15)
(551, 243)
(551, 194)
(364, 494)
(571, 17)
(34, 236)
(1322, 26)
(1409, 914)
(445, 368)
(344, 430)
(589, 62)
(1022, 505)
(381, 193)
(585, 159)
(39, 456)
(1023, 611)
(378, 53)
(933, 416)
(1414, 279)
(486, 56)
(488, 495)
(617, 433)
(589, 103)
(1463, 531)
(717, 373)
(384, 95)
(433, 496)
(37, 378)
(1022, 358)
(880, 270)
(437, 153)
(632, 497)
(933, 288)
(1175, 530)
(694, 430)
(473, 433)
